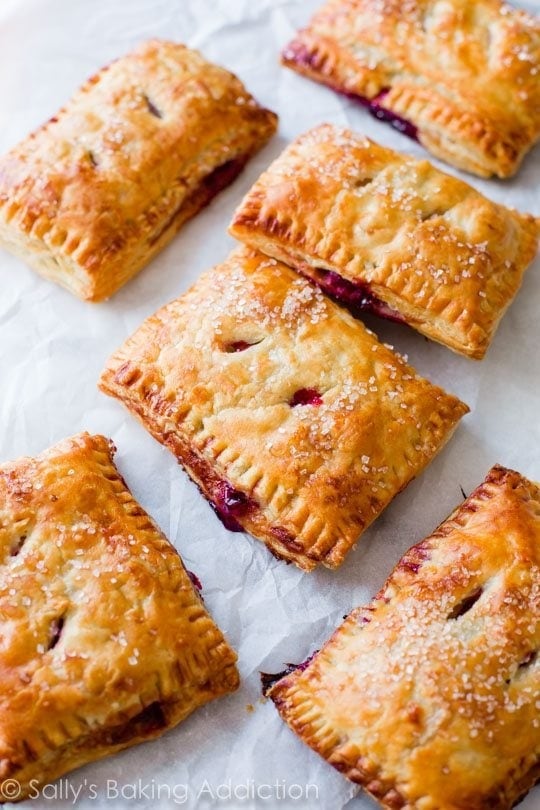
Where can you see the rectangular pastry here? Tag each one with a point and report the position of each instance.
(429, 696)
(384, 232)
(89, 198)
(461, 77)
(295, 422)
(105, 642)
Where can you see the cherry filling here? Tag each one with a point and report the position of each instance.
(19, 543)
(305, 396)
(466, 604)
(355, 295)
(223, 175)
(409, 565)
(146, 723)
(529, 659)
(238, 346)
(209, 186)
(195, 581)
(300, 55)
(269, 679)
(55, 632)
(287, 539)
(295, 52)
(403, 125)
(152, 109)
(229, 504)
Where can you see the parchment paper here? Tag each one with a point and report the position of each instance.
(52, 348)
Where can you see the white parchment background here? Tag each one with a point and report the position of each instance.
(52, 348)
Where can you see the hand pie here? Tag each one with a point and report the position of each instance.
(89, 198)
(381, 231)
(428, 697)
(461, 77)
(295, 422)
(105, 642)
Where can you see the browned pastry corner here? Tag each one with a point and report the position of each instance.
(429, 696)
(295, 422)
(105, 642)
(89, 198)
(383, 232)
(461, 77)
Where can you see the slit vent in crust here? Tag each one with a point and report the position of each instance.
(466, 604)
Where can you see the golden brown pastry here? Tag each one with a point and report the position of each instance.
(461, 77)
(295, 422)
(105, 642)
(384, 232)
(429, 696)
(89, 198)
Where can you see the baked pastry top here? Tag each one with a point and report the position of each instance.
(105, 642)
(462, 78)
(428, 697)
(90, 197)
(295, 422)
(382, 231)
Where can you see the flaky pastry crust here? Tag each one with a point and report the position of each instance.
(428, 696)
(105, 642)
(461, 77)
(425, 247)
(291, 417)
(89, 198)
